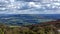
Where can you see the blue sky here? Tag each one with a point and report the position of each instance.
(29, 6)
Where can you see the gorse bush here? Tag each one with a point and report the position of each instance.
(27, 30)
(1, 31)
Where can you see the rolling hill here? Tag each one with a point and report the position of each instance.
(27, 19)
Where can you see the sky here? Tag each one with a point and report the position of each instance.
(29, 6)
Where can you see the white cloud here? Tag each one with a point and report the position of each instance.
(12, 0)
(57, 4)
(34, 5)
(21, 7)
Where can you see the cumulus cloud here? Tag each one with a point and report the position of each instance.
(29, 7)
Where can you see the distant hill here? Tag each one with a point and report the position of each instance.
(27, 19)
